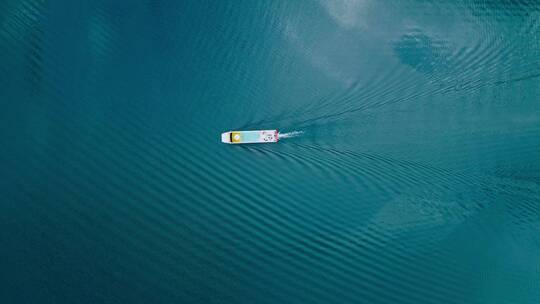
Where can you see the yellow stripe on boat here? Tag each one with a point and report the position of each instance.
(236, 137)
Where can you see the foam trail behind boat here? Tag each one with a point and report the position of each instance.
(290, 134)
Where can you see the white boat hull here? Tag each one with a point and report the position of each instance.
(250, 137)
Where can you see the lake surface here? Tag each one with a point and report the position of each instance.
(411, 173)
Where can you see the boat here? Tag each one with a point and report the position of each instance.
(250, 137)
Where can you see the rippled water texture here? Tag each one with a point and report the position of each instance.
(410, 172)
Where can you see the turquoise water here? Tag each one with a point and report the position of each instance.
(414, 176)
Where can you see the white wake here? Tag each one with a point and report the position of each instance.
(290, 134)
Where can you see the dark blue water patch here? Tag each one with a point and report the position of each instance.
(422, 52)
